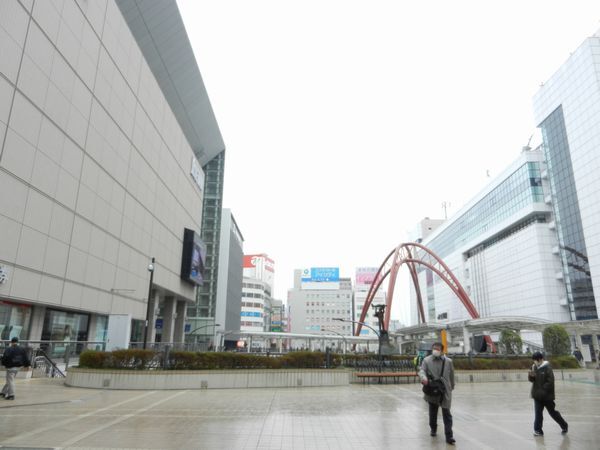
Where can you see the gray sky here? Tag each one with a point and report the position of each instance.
(346, 122)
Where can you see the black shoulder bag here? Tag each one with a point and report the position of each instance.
(435, 388)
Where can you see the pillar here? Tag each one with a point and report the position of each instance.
(181, 316)
(595, 345)
(37, 323)
(466, 340)
(152, 307)
(280, 344)
(168, 317)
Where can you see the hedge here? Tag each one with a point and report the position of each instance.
(181, 360)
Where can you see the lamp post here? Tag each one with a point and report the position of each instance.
(151, 270)
(339, 334)
(368, 326)
(205, 326)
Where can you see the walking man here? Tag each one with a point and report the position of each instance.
(542, 392)
(437, 370)
(578, 356)
(13, 358)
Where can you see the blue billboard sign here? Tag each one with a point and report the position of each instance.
(321, 274)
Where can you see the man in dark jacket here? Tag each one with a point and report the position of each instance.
(13, 358)
(542, 392)
(437, 368)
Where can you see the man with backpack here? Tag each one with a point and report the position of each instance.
(13, 358)
(437, 378)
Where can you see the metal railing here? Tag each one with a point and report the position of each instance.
(43, 366)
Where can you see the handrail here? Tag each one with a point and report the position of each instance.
(38, 352)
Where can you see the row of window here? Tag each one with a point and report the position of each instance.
(252, 305)
(520, 189)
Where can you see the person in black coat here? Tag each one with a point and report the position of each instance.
(542, 391)
(13, 358)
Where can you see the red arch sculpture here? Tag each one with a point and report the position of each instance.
(413, 254)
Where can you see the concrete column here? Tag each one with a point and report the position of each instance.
(169, 307)
(153, 303)
(280, 344)
(179, 330)
(249, 341)
(37, 323)
(595, 343)
(466, 340)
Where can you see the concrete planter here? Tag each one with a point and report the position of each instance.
(483, 376)
(204, 379)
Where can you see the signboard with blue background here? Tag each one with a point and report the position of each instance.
(321, 274)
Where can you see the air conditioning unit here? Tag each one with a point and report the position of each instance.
(548, 199)
(559, 276)
(552, 226)
(555, 248)
(563, 301)
(544, 174)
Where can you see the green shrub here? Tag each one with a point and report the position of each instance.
(564, 362)
(93, 359)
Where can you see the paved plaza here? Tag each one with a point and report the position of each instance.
(46, 414)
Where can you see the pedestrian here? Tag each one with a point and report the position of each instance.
(437, 378)
(14, 357)
(542, 392)
(579, 356)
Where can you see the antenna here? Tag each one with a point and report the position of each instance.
(527, 147)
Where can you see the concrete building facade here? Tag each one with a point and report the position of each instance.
(229, 284)
(97, 173)
(315, 303)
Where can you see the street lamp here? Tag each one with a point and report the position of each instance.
(151, 270)
(368, 326)
(204, 326)
(339, 334)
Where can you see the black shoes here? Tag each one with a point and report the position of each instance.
(2, 394)
(9, 397)
(450, 441)
(565, 430)
(432, 433)
(538, 433)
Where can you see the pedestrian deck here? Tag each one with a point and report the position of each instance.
(47, 414)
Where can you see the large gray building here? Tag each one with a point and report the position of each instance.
(105, 126)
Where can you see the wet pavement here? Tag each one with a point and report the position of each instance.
(46, 414)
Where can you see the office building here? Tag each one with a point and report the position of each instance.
(567, 109)
(229, 280)
(363, 279)
(102, 156)
(259, 275)
(318, 298)
(503, 248)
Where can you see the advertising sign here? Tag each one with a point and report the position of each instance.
(197, 173)
(326, 278)
(365, 276)
(193, 258)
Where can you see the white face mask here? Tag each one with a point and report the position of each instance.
(537, 363)
(436, 353)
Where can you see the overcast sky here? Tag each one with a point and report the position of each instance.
(346, 122)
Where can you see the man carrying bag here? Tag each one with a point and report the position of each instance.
(437, 378)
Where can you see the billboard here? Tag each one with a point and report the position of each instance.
(365, 276)
(327, 278)
(193, 257)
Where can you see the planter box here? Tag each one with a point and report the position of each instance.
(204, 379)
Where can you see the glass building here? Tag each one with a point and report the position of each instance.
(567, 109)
(502, 248)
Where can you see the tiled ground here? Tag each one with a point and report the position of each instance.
(486, 416)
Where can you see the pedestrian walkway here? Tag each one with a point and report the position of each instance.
(47, 414)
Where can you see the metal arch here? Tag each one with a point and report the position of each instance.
(413, 254)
